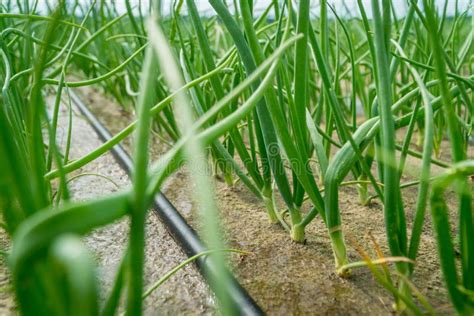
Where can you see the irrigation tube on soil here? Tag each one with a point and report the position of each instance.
(177, 226)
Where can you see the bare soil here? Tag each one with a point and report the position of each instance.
(298, 279)
(185, 293)
(290, 278)
(7, 301)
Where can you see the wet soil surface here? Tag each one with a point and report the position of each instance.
(7, 301)
(286, 278)
(185, 293)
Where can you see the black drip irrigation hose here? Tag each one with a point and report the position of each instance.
(177, 226)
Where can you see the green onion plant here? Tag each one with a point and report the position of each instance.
(290, 105)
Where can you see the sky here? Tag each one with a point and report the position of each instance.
(351, 5)
(343, 7)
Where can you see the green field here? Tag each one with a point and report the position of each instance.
(293, 109)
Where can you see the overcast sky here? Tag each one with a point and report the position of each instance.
(351, 5)
(340, 5)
